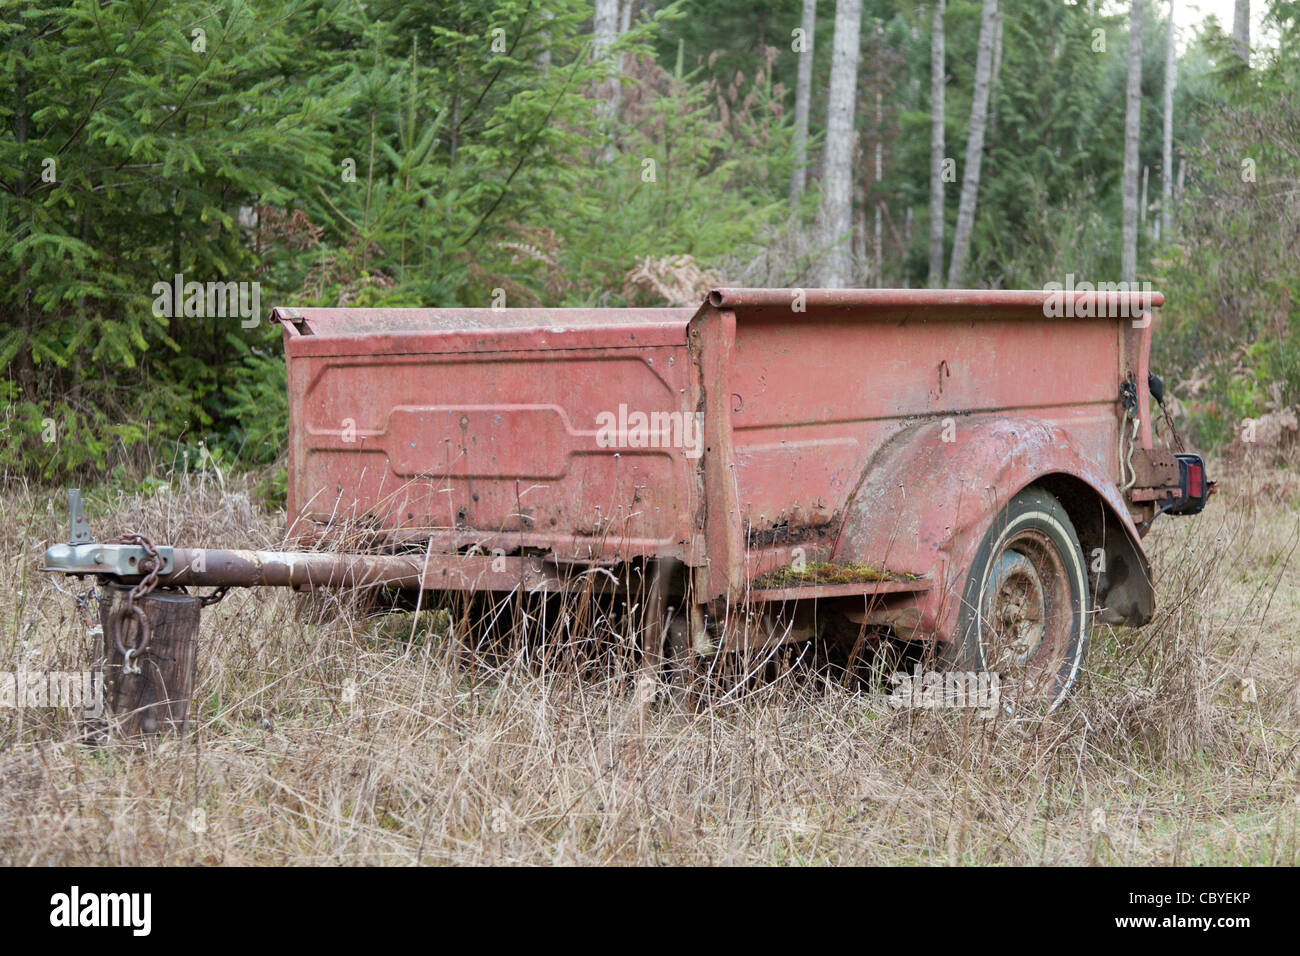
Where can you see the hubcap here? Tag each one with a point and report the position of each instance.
(1026, 615)
(1019, 608)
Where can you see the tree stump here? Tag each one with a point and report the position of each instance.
(158, 698)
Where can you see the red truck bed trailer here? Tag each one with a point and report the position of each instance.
(973, 469)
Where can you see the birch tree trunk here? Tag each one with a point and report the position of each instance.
(605, 30)
(802, 98)
(1167, 140)
(1241, 29)
(1132, 126)
(979, 114)
(937, 75)
(875, 188)
(837, 167)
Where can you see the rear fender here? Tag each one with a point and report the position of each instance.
(930, 495)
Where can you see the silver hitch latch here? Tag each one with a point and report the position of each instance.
(119, 560)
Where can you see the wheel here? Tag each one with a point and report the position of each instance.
(1024, 610)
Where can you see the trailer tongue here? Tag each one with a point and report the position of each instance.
(970, 469)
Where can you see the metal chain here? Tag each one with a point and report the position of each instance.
(209, 599)
(1169, 420)
(142, 588)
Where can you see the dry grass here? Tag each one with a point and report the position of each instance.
(373, 741)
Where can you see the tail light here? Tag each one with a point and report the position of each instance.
(1194, 487)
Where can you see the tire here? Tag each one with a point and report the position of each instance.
(1025, 606)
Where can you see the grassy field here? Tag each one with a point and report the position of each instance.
(372, 741)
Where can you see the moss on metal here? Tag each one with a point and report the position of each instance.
(824, 572)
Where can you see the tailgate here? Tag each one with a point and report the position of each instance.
(564, 430)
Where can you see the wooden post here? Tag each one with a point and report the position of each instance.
(158, 698)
